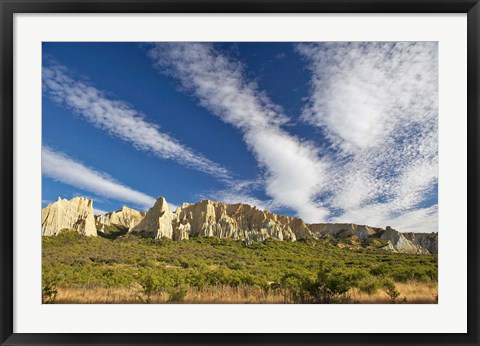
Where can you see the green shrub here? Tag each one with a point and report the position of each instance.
(390, 290)
(177, 294)
(150, 285)
(292, 286)
(330, 286)
(113, 231)
(49, 292)
(369, 285)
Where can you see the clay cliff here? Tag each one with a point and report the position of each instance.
(158, 221)
(343, 230)
(76, 214)
(235, 221)
(215, 219)
(397, 242)
(428, 241)
(125, 217)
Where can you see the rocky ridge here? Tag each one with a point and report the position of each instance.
(125, 217)
(234, 221)
(400, 243)
(428, 241)
(76, 214)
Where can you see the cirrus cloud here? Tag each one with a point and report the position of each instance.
(121, 120)
(377, 104)
(62, 168)
(293, 170)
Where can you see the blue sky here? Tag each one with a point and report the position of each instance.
(330, 132)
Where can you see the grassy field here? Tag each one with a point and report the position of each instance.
(411, 292)
(130, 269)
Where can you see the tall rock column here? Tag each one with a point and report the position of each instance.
(157, 222)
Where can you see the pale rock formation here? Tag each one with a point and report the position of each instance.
(389, 248)
(214, 219)
(343, 230)
(235, 221)
(397, 242)
(428, 241)
(157, 222)
(182, 230)
(400, 243)
(76, 214)
(125, 217)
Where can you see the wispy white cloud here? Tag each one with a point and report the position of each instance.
(294, 174)
(377, 104)
(121, 120)
(62, 168)
(423, 220)
(362, 91)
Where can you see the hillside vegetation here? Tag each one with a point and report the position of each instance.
(324, 270)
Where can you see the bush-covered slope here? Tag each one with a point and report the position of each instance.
(72, 260)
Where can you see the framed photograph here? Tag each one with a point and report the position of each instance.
(256, 172)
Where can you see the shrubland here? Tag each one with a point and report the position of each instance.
(324, 270)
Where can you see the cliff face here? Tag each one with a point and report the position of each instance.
(428, 241)
(400, 243)
(235, 221)
(76, 214)
(343, 230)
(158, 221)
(214, 219)
(397, 242)
(125, 217)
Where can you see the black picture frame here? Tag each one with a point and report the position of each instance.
(9, 7)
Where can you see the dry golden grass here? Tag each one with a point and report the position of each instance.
(412, 293)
